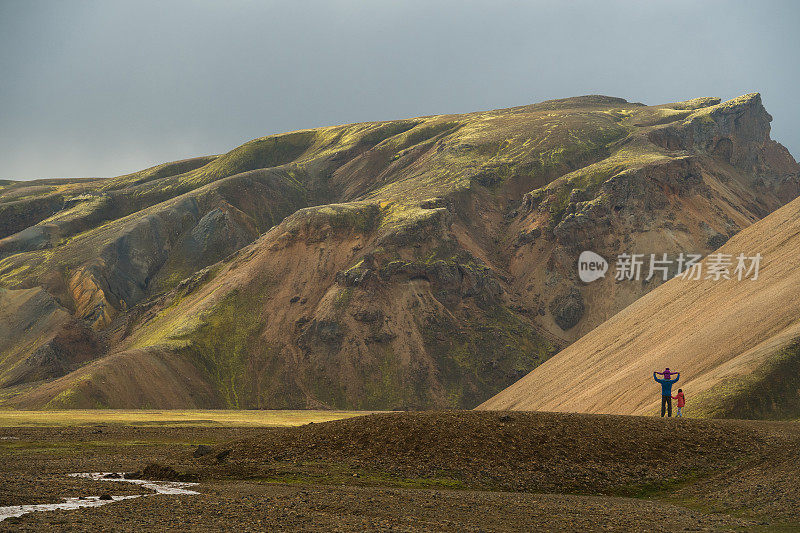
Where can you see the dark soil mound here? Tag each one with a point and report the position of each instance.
(157, 472)
(518, 451)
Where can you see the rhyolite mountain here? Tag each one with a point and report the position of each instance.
(420, 263)
(736, 343)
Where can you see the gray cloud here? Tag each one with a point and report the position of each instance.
(107, 87)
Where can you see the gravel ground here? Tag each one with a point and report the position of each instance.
(248, 506)
(530, 452)
(397, 472)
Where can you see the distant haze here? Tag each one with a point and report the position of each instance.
(108, 87)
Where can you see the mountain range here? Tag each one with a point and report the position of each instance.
(410, 264)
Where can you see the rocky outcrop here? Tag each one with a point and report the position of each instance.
(567, 309)
(644, 191)
(735, 131)
(452, 280)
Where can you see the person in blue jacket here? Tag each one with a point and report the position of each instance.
(666, 392)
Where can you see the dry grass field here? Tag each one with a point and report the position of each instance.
(169, 417)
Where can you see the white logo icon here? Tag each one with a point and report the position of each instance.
(591, 266)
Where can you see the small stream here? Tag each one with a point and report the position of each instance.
(177, 488)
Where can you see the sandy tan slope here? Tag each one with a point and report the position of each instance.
(721, 335)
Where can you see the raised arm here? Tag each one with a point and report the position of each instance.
(678, 376)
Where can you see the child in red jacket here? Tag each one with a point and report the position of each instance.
(681, 402)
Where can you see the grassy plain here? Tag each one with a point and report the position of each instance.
(169, 417)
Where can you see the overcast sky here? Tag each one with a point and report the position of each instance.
(108, 87)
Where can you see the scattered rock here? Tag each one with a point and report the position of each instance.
(717, 240)
(354, 276)
(301, 322)
(368, 315)
(328, 332)
(567, 310)
(106, 497)
(202, 450)
(157, 472)
(380, 338)
(433, 203)
(529, 236)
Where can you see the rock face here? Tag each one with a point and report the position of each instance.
(735, 343)
(567, 309)
(406, 264)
